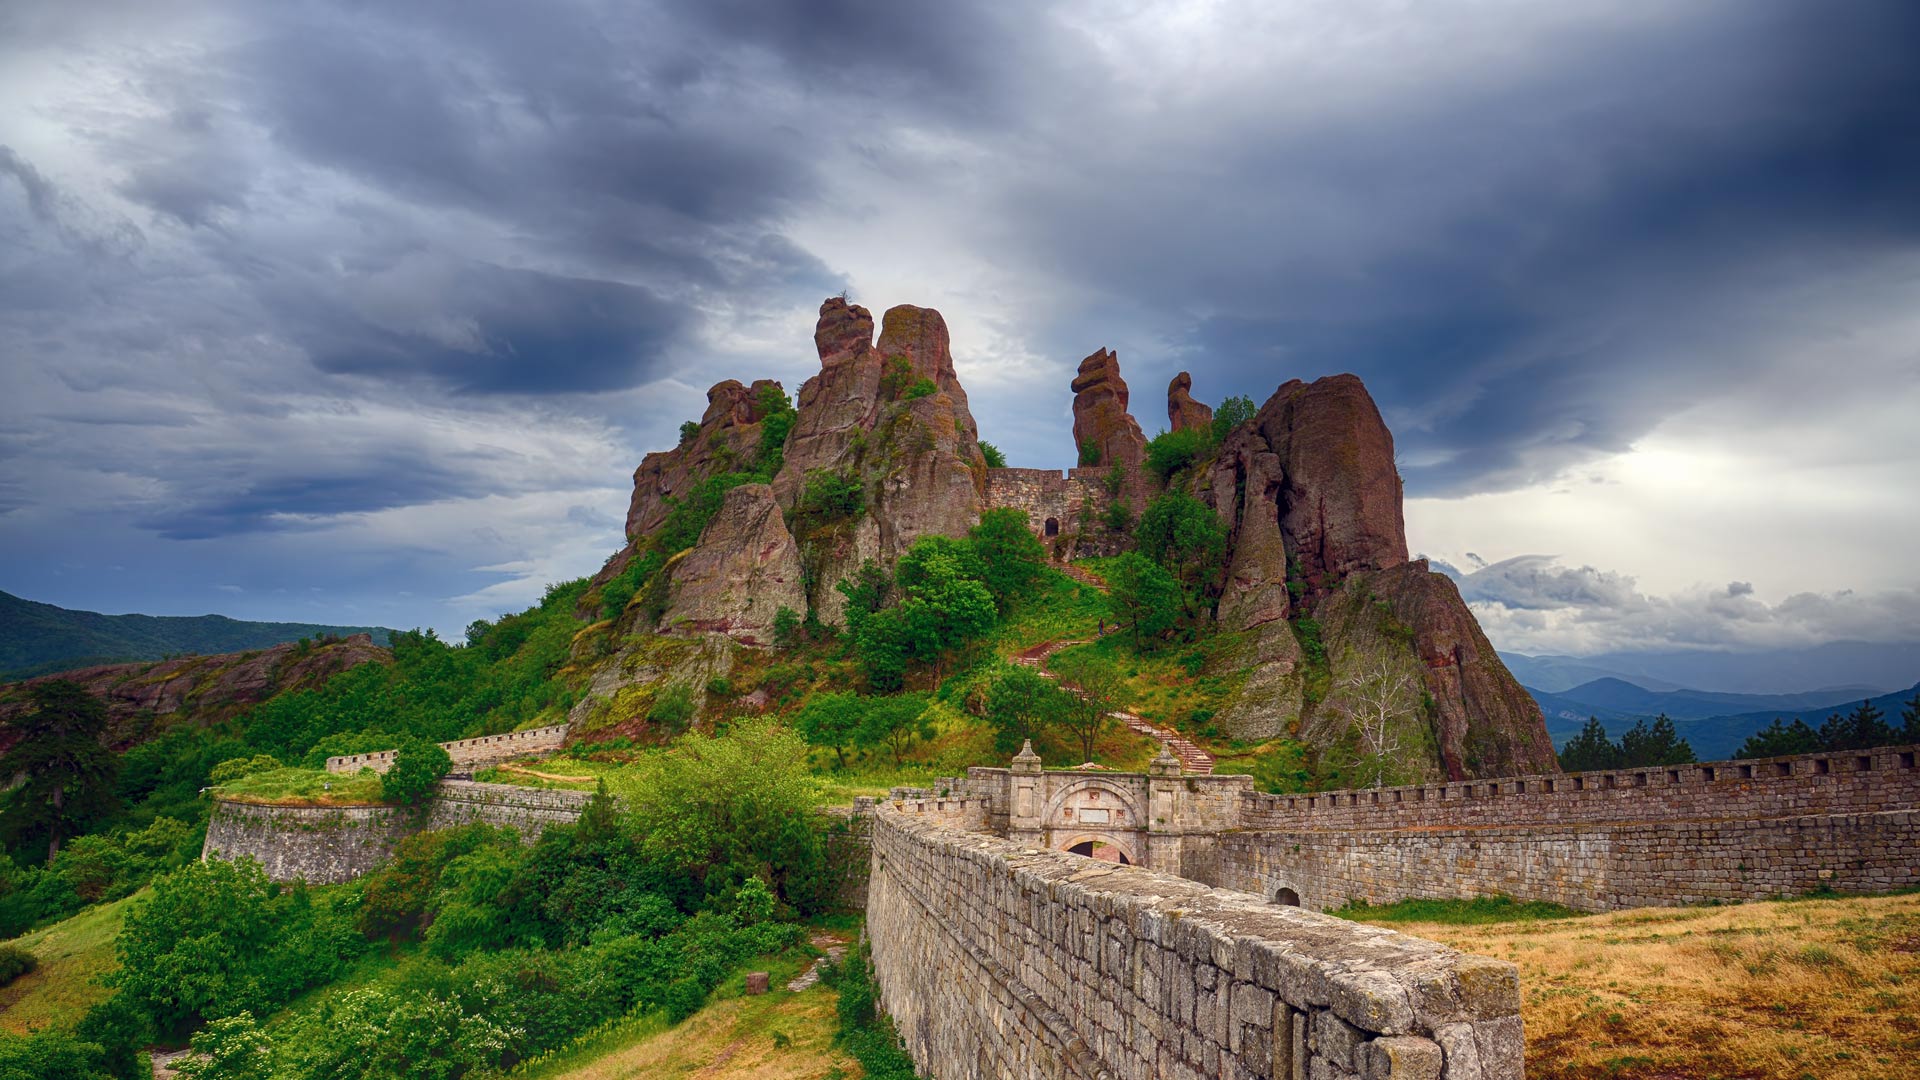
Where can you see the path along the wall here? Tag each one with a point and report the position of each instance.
(999, 960)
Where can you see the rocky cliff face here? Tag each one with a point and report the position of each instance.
(1323, 609)
(728, 438)
(146, 698)
(745, 568)
(1101, 422)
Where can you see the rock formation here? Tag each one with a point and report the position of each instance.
(1182, 411)
(745, 568)
(868, 418)
(1101, 422)
(729, 436)
(1310, 495)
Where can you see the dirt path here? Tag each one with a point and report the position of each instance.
(547, 775)
(834, 945)
(1192, 758)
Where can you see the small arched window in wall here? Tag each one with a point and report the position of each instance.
(1053, 526)
(1286, 898)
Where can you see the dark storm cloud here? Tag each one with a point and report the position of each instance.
(482, 329)
(1529, 273)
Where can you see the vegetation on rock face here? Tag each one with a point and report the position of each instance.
(995, 459)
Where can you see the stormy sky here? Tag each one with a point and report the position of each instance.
(364, 313)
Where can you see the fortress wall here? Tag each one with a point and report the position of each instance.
(1595, 867)
(466, 753)
(997, 960)
(1865, 782)
(329, 844)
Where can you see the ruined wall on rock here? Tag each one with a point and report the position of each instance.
(998, 960)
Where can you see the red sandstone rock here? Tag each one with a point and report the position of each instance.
(1339, 498)
(729, 435)
(1182, 411)
(1100, 415)
(745, 568)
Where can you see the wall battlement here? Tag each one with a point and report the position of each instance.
(466, 753)
(998, 959)
(1863, 782)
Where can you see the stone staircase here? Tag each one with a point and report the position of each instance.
(1084, 576)
(1193, 760)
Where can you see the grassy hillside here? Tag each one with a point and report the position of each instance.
(73, 953)
(38, 638)
(1826, 988)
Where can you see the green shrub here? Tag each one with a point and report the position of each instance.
(1173, 451)
(15, 962)
(830, 497)
(922, 387)
(235, 768)
(1231, 414)
(418, 767)
(673, 707)
(689, 431)
(786, 627)
(995, 459)
(1089, 452)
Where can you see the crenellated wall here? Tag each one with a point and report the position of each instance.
(1000, 960)
(466, 753)
(326, 845)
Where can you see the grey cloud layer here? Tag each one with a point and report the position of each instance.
(1535, 230)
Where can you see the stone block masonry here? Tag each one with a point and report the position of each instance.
(326, 845)
(1000, 960)
(467, 754)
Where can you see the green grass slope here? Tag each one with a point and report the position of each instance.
(36, 638)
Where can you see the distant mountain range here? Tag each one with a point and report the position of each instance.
(1841, 664)
(37, 639)
(1715, 724)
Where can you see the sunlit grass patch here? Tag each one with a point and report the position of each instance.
(304, 787)
(73, 953)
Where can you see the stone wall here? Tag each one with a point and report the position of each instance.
(329, 844)
(998, 960)
(1865, 782)
(1073, 501)
(1592, 867)
(467, 754)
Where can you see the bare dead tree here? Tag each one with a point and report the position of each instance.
(1374, 696)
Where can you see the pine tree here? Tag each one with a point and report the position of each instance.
(1653, 744)
(67, 774)
(1862, 729)
(1779, 739)
(1910, 712)
(1591, 749)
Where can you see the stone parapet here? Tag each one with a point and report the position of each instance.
(466, 753)
(1862, 782)
(996, 959)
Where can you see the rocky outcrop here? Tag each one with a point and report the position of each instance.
(728, 439)
(745, 568)
(869, 419)
(1101, 422)
(145, 698)
(1312, 501)
(1182, 411)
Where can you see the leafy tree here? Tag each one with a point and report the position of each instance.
(777, 415)
(1118, 517)
(67, 775)
(1099, 690)
(895, 722)
(49, 1054)
(1779, 740)
(673, 708)
(1010, 557)
(394, 898)
(1089, 452)
(943, 603)
(1655, 743)
(1231, 414)
(884, 643)
(1591, 749)
(216, 938)
(995, 459)
(833, 721)
(235, 768)
(689, 431)
(722, 809)
(830, 497)
(1182, 534)
(418, 767)
(1023, 704)
(1862, 729)
(786, 627)
(1143, 597)
(868, 591)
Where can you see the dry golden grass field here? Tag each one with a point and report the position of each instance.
(1815, 989)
